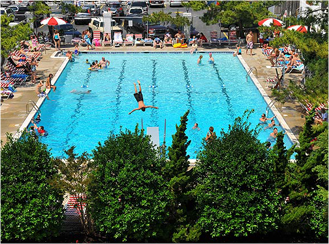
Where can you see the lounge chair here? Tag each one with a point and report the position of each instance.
(299, 68)
(97, 38)
(231, 38)
(214, 38)
(139, 40)
(107, 42)
(129, 40)
(7, 92)
(148, 41)
(117, 38)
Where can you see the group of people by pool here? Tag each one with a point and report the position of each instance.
(42, 86)
(95, 65)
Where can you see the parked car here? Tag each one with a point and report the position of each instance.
(140, 4)
(5, 4)
(94, 9)
(84, 17)
(157, 3)
(136, 10)
(177, 3)
(68, 30)
(97, 23)
(14, 7)
(7, 11)
(151, 30)
(20, 13)
(116, 8)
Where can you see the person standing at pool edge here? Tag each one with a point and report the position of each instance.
(139, 98)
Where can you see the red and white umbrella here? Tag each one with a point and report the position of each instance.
(269, 22)
(53, 21)
(299, 28)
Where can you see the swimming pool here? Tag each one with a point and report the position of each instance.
(214, 94)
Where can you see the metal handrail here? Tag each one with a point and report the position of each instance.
(34, 106)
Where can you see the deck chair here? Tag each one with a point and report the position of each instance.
(117, 38)
(214, 38)
(108, 41)
(97, 38)
(129, 40)
(299, 68)
(148, 41)
(139, 40)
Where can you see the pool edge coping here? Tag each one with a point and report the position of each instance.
(40, 101)
(268, 101)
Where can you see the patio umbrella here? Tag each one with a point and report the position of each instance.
(299, 28)
(269, 21)
(53, 21)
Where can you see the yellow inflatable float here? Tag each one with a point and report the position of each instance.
(184, 45)
(177, 45)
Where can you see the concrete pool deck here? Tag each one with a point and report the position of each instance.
(13, 111)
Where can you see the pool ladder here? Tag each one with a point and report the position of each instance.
(269, 106)
(34, 106)
(250, 71)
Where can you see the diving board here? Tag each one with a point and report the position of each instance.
(154, 133)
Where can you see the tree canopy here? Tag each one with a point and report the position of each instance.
(31, 209)
(128, 193)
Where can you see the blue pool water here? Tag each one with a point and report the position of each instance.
(215, 95)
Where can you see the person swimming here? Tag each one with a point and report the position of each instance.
(87, 61)
(263, 119)
(80, 92)
(211, 59)
(273, 135)
(200, 59)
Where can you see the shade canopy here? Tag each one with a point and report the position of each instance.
(299, 28)
(269, 22)
(53, 21)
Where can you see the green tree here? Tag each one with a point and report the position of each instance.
(241, 13)
(39, 10)
(11, 36)
(166, 18)
(31, 209)
(128, 192)
(235, 191)
(74, 178)
(182, 217)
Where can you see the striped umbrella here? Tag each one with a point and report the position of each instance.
(269, 22)
(299, 28)
(53, 21)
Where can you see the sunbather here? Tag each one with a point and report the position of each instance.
(292, 63)
(274, 55)
(139, 98)
(179, 37)
(167, 38)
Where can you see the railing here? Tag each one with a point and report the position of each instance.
(34, 106)
(269, 106)
(250, 71)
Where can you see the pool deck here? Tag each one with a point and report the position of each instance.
(13, 111)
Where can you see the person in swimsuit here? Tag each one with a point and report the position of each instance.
(211, 59)
(272, 124)
(200, 59)
(87, 39)
(34, 65)
(250, 43)
(263, 119)
(273, 135)
(57, 40)
(139, 99)
(48, 82)
(196, 127)
(211, 135)
(104, 63)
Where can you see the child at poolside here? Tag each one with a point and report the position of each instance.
(238, 50)
(48, 82)
(76, 49)
(200, 59)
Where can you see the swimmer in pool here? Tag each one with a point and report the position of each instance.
(273, 135)
(200, 59)
(196, 127)
(80, 92)
(211, 59)
(87, 61)
(270, 125)
(263, 119)
(104, 63)
(139, 98)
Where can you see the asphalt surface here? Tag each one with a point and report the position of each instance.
(197, 23)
